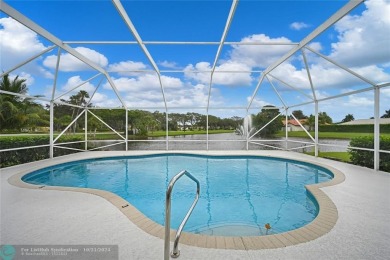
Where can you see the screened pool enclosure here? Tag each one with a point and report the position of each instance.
(172, 66)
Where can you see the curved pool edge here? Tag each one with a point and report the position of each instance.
(322, 224)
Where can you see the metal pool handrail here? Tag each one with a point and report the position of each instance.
(175, 252)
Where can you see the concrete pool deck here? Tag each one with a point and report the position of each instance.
(71, 218)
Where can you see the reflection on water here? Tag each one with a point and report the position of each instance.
(238, 194)
(226, 141)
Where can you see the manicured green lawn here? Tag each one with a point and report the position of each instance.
(339, 156)
(331, 135)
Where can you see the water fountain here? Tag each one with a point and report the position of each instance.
(246, 129)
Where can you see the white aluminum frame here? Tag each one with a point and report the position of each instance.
(267, 73)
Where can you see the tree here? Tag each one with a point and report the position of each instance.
(17, 112)
(93, 124)
(9, 106)
(79, 100)
(348, 118)
(32, 115)
(161, 120)
(141, 122)
(214, 122)
(183, 120)
(194, 119)
(201, 121)
(298, 114)
(264, 117)
(17, 86)
(311, 121)
(386, 114)
(324, 119)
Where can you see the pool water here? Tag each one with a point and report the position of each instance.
(239, 194)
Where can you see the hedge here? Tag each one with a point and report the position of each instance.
(10, 158)
(353, 128)
(366, 158)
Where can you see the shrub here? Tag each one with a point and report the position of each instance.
(353, 128)
(9, 158)
(366, 158)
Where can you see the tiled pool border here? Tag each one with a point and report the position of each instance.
(322, 224)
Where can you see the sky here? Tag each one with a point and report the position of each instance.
(360, 41)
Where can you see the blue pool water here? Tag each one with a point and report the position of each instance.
(239, 194)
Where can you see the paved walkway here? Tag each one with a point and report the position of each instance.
(44, 217)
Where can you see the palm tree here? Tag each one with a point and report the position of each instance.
(386, 114)
(17, 112)
(10, 104)
(348, 118)
(8, 112)
(15, 86)
(80, 99)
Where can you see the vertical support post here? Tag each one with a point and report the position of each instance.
(316, 129)
(127, 129)
(51, 150)
(376, 129)
(286, 129)
(207, 130)
(166, 130)
(248, 130)
(86, 129)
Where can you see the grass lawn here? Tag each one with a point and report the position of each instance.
(338, 156)
(331, 135)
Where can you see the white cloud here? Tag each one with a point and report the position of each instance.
(145, 91)
(169, 64)
(126, 68)
(260, 56)
(289, 73)
(359, 101)
(220, 78)
(298, 26)
(257, 102)
(145, 83)
(70, 63)
(102, 100)
(190, 96)
(363, 46)
(75, 81)
(23, 75)
(17, 44)
(321, 94)
(364, 40)
(317, 46)
(385, 92)
(328, 76)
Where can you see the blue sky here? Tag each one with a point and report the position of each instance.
(360, 41)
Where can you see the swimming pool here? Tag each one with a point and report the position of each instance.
(239, 194)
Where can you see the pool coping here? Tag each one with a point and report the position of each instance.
(322, 224)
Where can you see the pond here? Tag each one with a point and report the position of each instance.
(226, 141)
